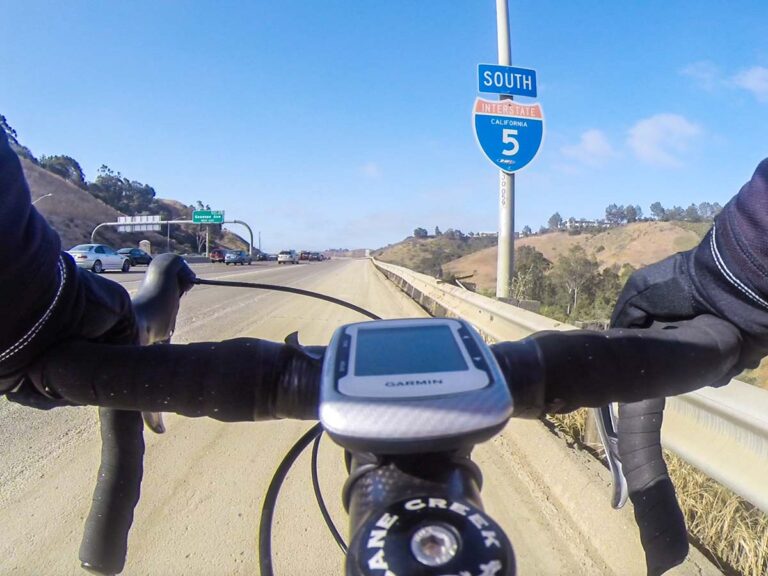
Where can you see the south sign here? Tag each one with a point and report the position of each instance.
(509, 133)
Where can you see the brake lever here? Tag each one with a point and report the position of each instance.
(606, 428)
(154, 421)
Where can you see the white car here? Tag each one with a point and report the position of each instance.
(288, 257)
(99, 257)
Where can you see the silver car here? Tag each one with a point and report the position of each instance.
(288, 256)
(99, 257)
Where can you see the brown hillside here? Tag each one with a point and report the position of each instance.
(638, 244)
(428, 254)
(74, 213)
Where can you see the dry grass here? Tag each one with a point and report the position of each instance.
(732, 530)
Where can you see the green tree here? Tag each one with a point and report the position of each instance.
(128, 196)
(615, 215)
(12, 136)
(658, 211)
(607, 286)
(420, 233)
(631, 213)
(530, 279)
(13, 140)
(527, 231)
(675, 213)
(555, 221)
(692, 213)
(66, 167)
(574, 273)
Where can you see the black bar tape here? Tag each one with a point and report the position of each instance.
(657, 512)
(523, 369)
(232, 381)
(118, 485)
(591, 369)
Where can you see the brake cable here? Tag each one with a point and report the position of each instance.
(290, 289)
(314, 433)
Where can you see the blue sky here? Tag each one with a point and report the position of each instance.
(342, 123)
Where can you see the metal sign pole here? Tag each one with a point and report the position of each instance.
(505, 266)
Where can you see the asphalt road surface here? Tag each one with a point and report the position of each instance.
(204, 480)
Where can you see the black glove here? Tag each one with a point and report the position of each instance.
(91, 308)
(725, 275)
(104, 313)
(670, 291)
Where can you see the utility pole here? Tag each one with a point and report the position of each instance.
(505, 265)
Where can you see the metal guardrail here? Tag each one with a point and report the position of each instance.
(721, 431)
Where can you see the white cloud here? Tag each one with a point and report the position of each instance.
(709, 77)
(754, 80)
(371, 170)
(662, 138)
(705, 74)
(593, 148)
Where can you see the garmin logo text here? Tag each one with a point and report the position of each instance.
(392, 384)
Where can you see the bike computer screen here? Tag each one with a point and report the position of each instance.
(407, 350)
(397, 383)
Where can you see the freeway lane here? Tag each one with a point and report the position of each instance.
(204, 480)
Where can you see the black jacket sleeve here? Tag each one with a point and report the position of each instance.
(729, 270)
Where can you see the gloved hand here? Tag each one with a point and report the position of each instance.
(94, 308)
(725, 275)
(106, 314)
(668, 291)
(660, 292)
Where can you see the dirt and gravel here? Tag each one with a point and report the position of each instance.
(204, 480)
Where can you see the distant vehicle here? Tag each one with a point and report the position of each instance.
(288, 257)
(99, 257)
(217, 255)
(315, 257)
(136, 256)
(237, 257)
(304, 255)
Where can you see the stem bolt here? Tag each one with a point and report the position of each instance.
(434, 545)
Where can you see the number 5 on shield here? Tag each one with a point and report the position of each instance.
(508, 137)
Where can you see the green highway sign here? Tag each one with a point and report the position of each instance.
(208, 216)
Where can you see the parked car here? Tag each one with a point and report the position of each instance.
(303, 255)
(99, 257)
(217, 255)
(136, 256)
(237, 257)
(288, 257)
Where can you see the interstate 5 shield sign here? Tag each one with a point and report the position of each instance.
(509, 133)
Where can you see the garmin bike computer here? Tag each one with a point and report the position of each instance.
(412, 385)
